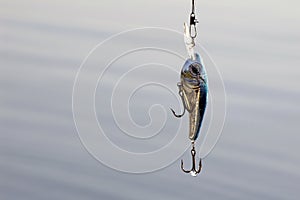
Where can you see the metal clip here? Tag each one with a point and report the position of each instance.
(193, 22)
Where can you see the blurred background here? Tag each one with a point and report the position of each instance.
(255, 45)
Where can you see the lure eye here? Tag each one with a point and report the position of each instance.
(194, 69)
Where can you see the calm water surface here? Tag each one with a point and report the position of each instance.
(256, 46)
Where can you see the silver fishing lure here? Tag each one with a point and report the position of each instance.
(193, 92)
(193, 89)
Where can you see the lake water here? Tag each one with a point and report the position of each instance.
(255, 45)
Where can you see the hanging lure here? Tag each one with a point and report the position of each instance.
(193, 89)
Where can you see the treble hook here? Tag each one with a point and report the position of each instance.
(193, 171)
(182, 99)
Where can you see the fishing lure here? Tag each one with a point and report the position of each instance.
(193, 89)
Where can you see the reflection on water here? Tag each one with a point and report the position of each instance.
(256, 47)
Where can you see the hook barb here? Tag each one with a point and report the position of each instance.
(176, 115)
(194, 172)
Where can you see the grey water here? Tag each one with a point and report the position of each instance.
(255, 45)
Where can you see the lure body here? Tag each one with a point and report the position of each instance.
(193, 90)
